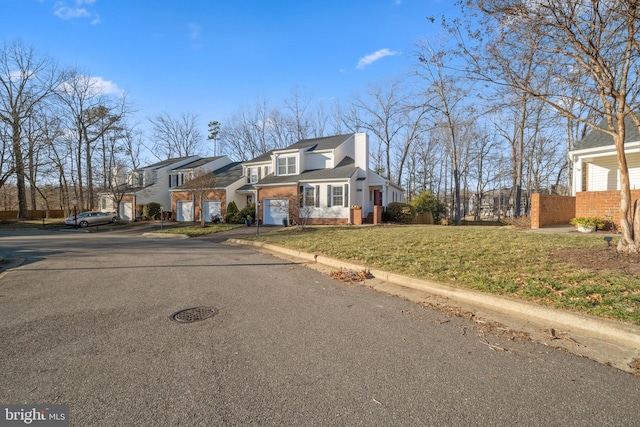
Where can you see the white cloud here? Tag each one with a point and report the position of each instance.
(106, 87)
(62, 11)
(373, 57)
(195, 31)
(94, 86)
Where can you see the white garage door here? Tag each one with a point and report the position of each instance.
(275, 210)
(211, 210)
(126, 211)
(184, 211)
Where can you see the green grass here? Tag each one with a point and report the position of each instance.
(497, 260)
(194, 230)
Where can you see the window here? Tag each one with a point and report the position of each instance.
(309, 196)
(254, 175)
(336, 196)
(287, 165)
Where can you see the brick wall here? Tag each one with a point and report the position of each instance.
(603, 204)
(551, 209)
(177, 196)
(275, 193)
(33, 213)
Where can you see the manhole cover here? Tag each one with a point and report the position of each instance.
(190, 315)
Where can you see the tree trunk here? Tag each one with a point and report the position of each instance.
(20, 171)
(627, 241)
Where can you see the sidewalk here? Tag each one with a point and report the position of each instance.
(613, 343)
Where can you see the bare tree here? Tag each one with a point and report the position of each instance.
(589, 50)
(7, 166)
(91, 115)
(380, 112)
(446, 98)
(202, 183)
(176, 136)
(26, 80)
(300, 122)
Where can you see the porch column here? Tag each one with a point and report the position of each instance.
(576, 185)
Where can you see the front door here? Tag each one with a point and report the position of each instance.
(377, 197)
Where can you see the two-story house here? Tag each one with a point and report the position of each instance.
(152, 183)
(208, 194)
(324, 177)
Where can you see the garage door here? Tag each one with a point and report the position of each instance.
(184, 211)
(211, 209)
(126, 211)
(275, 210)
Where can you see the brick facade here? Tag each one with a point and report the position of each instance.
(549, 209)
(603, 204)
(275, 193)
(552, 209)
(220, 195)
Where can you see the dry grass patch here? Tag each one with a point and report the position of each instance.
(500, 260)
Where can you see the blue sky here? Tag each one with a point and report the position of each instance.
(211, 58)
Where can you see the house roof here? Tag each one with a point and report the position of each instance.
(345, 169)
(164, 163)
(312, 144)
(324, 143)
(597, 138)
(224, 176)
(197, 163)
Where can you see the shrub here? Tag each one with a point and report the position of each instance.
(151, 210)
(403, 213)
(428, 202)
(248, 212)
(590, 221)
(232, 213)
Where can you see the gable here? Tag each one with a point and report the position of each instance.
(599, 139)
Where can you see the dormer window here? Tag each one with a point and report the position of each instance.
(287, 165)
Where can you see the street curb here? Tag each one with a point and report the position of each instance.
(612, 333)
(165, 235)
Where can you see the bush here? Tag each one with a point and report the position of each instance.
(248, 212)
(403, 213)
(234, 216)
(232, 213)
(151, 210)
(428, 202)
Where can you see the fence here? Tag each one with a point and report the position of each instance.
(33, 214)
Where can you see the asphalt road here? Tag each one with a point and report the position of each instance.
(85, 320)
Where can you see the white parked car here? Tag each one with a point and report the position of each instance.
(86, 219)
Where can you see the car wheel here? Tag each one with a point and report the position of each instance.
(84, 224)
(114, 219)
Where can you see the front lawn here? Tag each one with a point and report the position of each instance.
(501, 260)
(196, 230)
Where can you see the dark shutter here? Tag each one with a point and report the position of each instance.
(317, 196)
(328, 196)
(346, 195)
(301, 196)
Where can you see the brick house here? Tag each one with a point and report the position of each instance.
(596, 181)
(185, 202)
(326, 180)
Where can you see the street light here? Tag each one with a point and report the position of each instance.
(75, 214)
(257, 214)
